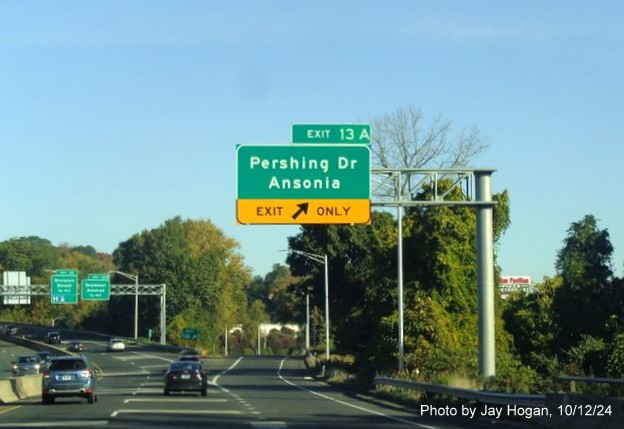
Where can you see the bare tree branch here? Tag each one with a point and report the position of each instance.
(401, 140)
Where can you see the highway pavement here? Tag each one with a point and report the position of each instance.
(249, 392)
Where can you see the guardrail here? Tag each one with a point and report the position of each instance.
(573, 379)
(522, 400)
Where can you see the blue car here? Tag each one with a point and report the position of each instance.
(68, 376)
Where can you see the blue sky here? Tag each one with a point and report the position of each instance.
(116, 116)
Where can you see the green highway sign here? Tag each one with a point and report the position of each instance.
(331, 133)
(190, 334)
(95, 288)
(309, 172)
(64, 288)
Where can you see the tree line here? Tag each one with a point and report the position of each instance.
(572, 324)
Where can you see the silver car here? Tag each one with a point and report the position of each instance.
(27, 365)
(69, 376)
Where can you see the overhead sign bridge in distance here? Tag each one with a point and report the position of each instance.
(303, 184)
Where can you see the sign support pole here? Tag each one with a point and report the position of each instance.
(485, 276)
(401, 350)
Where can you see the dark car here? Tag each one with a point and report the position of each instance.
(74, 346)
(189, 358)
(186, 376)
(26, 365)
(10, 330)
(68, 376)
(53, 338)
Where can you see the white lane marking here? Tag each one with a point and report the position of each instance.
(357, 407)
(119, 391)
(215, 379)
(59, 424)
(194, 400)
(147, 356)
(148, 391)
(138, 356)
(130, 358)
(126, 374)
(172, 412)
(153, 384)
(158, 366)
(269, 425)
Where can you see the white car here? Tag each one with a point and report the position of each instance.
(115, 345)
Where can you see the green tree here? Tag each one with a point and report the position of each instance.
(360, 257)
(439, 294)
(584, 264)
(31, 254)
(529, 318)
(204, 274)
(278, 291)
(441, 285)
(38, 258)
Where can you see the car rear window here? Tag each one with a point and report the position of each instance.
(67, 365)
(185, 366)
(28, 359)
(189, 358)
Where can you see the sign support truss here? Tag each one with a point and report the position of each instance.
(399, 187)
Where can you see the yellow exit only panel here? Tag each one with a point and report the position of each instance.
(310, 211)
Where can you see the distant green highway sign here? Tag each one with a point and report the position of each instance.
(95, 288)
(331, 133)
(190, 334)
(64, 287)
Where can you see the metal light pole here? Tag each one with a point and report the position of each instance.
(307, 331)
(401, 351)
(134, 277)
(321, 259)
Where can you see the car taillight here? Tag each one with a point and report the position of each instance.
(46, 374)
(87, 373)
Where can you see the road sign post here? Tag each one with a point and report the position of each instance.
(303, 184)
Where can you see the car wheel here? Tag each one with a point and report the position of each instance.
(47, 399)
(91, 398)
(204, 392)
(166, 392)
